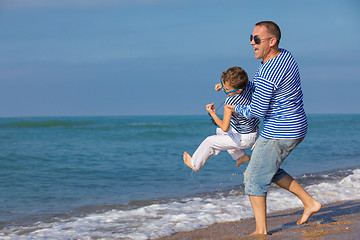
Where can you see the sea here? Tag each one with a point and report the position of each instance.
(123, 177)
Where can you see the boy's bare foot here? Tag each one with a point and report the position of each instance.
(187, 160)
(309, 211)
(243, 159)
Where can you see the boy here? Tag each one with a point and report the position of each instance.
(234, 132)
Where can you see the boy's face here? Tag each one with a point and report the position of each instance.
(229, 90)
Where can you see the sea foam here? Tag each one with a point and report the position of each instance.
(162, 219)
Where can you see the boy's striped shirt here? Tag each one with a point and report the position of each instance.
(239, 122)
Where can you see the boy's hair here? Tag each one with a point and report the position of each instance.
(273, 29)
(236, 77)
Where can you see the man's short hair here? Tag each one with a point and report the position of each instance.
(273, 29)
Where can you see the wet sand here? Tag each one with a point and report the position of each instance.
(335, 221)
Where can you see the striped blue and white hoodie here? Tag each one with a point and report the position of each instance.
(278, 99)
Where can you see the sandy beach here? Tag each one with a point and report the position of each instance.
(340, 220)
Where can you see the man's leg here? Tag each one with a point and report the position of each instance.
(259, 207)
(311, 206)
(264, 168)
(258, 177)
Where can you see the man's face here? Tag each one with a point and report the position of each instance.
(262, 49)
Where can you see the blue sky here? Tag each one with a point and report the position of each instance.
(162, 57)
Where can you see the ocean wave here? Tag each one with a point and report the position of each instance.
(161, 218)
(109, 124)
(46, 124)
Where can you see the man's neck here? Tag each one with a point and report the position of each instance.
(274, 52)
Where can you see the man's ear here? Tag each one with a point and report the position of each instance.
(273, 41)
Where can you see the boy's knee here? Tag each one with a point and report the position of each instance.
(209, 139)
(212, 140)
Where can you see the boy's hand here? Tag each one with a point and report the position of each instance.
(218, 87)
(210, 108)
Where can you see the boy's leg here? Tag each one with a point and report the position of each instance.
(187, 160)
(238, 155)
(311, 206)
(243, 159)
(212, 145)
(244, 141)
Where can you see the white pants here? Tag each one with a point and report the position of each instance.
(231, 141)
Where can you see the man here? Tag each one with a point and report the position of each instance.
(278, 100)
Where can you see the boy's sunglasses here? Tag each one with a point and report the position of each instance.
(226, 92)
(257, 40)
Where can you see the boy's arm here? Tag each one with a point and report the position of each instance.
(223, 124)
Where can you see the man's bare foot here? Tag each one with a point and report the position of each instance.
(243, 159)
(309, 211)
(258, 234)
(187, 160)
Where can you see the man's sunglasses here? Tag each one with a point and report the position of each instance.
(257, 40)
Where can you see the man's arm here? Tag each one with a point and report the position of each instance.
(260, 101)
